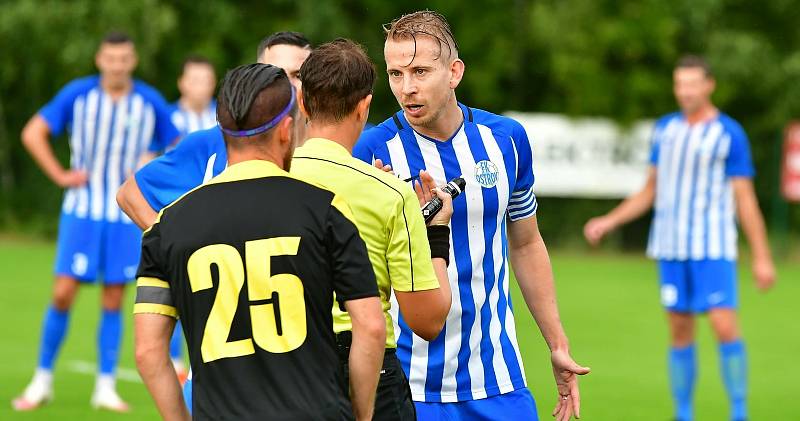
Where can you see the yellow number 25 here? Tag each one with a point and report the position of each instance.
(277, 306)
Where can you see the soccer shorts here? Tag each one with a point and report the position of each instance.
(512, 406)
(393, 395)
(698, 285)
(88, 250)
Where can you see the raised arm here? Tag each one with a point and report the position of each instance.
(531, 263)
(752, 222)
(631, 208)
(36, 139)
(425, 311)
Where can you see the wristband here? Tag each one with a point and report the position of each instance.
(439, 240)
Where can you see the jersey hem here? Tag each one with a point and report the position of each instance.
(428, 397)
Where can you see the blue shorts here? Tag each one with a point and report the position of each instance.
(88, 250)
(516, 405)
(695, 286)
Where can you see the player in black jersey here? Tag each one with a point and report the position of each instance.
(250, 262)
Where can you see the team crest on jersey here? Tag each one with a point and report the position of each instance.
(486, 173)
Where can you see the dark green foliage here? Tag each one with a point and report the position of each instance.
(576, 57)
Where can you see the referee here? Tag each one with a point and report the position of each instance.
(251, 262)
(337, 80)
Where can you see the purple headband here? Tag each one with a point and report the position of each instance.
(264, 127)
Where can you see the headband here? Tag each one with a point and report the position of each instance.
(264, 127)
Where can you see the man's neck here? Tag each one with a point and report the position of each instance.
(116, 92)
(195, 106)
(446, 124)
(236, 157)
(345, 133)
(702, 114)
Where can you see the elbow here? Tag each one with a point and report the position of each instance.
(431, 330)
(122, 197)
(372, 330)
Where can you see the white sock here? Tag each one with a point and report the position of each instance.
(43, 376)
(105, 381)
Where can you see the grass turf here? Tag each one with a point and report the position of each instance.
(609, 307)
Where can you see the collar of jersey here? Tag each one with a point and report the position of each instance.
(322, 146)
(246, 170)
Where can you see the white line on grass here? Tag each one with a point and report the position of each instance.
(86, 367)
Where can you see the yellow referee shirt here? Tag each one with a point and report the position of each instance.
(388, 217)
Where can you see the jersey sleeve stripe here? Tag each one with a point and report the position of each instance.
(520, 200)
(145, 281)
(145, 308)
(521, 214)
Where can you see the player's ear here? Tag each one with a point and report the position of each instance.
(286, 129)
(456, 72)
(301, 103)
(362, 108)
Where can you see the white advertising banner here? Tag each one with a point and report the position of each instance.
(586, 157)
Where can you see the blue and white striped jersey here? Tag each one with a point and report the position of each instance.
(476, 355)
(107, 139)
(189, 121)
(694, 215)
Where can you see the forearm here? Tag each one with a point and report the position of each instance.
(752, 222)
(631, 208)
(366, 359)
(133, 203)
(39, 147)
(159, 377)
(440, 267)
(534, 274)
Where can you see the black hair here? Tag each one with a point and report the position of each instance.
(692, 60)
(282, 38)
(116, 37)
(251, 95)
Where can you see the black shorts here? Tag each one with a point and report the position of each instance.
(393, 397)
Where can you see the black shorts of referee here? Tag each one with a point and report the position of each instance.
(393, 397)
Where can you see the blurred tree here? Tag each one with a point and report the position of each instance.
(578, 57)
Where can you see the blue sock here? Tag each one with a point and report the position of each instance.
(734, 375)
(54, 329)
(109, 335)
(682, 372)
(176, 343)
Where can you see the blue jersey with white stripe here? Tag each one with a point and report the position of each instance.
(189, 121)
(196, 159)
(107, 138)
(694, 216)
(476, 355)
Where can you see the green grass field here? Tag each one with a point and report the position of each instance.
(609, 306)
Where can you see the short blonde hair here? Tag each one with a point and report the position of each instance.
(424, 22)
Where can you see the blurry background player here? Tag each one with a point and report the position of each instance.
(280, 360)
(473, 370)
(287, 50)
(337, 82)
(196, 108)
(700, 179)
(112, 120)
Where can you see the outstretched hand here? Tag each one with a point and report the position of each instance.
(426, 190)
(566, 372)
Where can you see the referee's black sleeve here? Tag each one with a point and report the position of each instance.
(353, 277)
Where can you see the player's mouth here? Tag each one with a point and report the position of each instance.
(413, 110)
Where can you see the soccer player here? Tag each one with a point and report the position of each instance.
(337, 81)
(473, 370)
(250, 262)
(202, 155)
(112, 120)
(196, 108)
(700, 179)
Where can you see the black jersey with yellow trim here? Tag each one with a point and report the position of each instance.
(250, 263)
